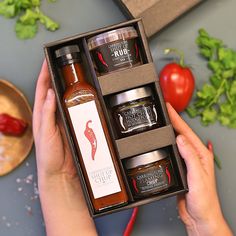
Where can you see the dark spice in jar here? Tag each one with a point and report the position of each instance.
(114, 50)
(135, 111)
(150, 173)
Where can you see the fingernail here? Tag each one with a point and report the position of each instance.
(181, 140)
(50, 94)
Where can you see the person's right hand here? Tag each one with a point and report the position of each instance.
(199, 209)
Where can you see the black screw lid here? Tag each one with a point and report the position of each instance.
(68, 55)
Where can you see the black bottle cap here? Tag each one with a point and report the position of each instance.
(68, 55)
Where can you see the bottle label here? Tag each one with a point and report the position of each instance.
(94, 149)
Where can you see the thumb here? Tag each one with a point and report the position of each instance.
(191, 159)
(48, 122)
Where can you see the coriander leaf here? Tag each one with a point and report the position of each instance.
(216, 100)
(24, 4)
(29, 18)
(8, 11)
(215, 66)
(48, 22)
(224, 120)
(216, 80)
(226, 109)
(208, 116)
(24, 31)
(208, 91)
(192, 112)
(36, 3)
(206, 52)
(28, 14)
(232, 90)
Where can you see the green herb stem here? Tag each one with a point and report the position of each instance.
(177, 52)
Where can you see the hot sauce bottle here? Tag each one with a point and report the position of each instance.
(87, 122)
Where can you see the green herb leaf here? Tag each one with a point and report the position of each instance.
(216, 100)
(29, 18)
(28, 15)
(24, 31)
(209, 116)
(48, 22)
(8, 11)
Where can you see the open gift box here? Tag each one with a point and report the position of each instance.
(158, 140)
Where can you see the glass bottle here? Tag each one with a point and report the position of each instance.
(87, 122)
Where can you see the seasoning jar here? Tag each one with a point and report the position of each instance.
(115, 49)
(134, 111)
(150, 173)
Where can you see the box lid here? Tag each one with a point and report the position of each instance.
(156, 14)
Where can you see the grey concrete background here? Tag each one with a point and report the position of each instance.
(20, 62)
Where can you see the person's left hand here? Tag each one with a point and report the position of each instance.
(64, 209)
(52, 150)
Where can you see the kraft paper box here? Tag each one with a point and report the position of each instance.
(107, 85)
(155, 14)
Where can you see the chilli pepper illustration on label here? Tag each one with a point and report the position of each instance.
(136, 49)
(101, 59)
(135, 185)
(168, 175)
(90, 135)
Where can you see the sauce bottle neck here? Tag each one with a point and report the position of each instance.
(73, 73)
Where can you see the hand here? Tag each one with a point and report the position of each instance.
(64, 208)
(199, 209)
(52, 151)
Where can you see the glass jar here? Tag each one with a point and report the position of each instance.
(114, 50)
(134, 111)
(150, 173)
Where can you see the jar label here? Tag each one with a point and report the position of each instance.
(94, 149)
(115, 55)
(155, 179)
(137, 117)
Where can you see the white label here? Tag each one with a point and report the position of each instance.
(94, 149)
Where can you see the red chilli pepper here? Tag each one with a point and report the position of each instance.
(90, 135)
(130, 225)
(216, 159)
(10, 125)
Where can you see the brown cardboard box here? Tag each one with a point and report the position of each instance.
(155, 14)
(125, 79)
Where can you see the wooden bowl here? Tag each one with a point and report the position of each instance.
(13, 149)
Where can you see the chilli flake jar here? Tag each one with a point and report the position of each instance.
(115, 49)
(150, 173)
(135, 111)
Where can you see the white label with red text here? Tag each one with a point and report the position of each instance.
(94, 149)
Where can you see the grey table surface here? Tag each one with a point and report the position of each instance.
(20, 62)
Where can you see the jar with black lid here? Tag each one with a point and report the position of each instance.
(135, 111)
(150, 173)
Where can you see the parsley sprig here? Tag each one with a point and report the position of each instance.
(28, 15)
(216, 100)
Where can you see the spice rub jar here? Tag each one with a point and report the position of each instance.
(114, 50)
(150, 173)
(135, 111)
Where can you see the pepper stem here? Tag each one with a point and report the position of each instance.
(179, 53)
